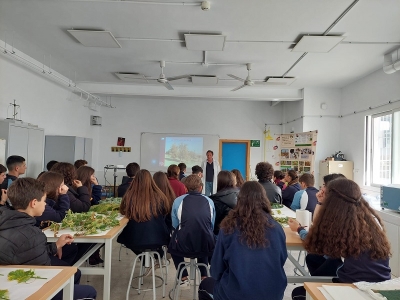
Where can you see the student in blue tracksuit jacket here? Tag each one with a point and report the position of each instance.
(306, 198)
(193, 217)
(250, 252)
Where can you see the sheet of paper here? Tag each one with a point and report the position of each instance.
(20, 291)
(345, 292)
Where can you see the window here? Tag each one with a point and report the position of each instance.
(383, 152)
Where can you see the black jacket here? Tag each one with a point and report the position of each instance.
(54, 211)
(274, 193)
(79, 199)
(152, 234)
(21, 242)
(224, 201)
(126, 182)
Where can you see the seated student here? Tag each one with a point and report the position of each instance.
(347, 227)
(264, 172)
(16, 166)
(239, 178)
(193, 217)
(57, 201)
(292, 186)
(182, 170)
(306, 198)
(131, 170)
(250, 252)
(226, 197)
(79, 163)
(161, 180)
(50, 164)
(173, 174)
(3, 192)
(86, 175)
(197, 170)
(21, 242)
(78, 194)
(146, 208)
(278, 179)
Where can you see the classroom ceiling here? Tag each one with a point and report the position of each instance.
(260, 32)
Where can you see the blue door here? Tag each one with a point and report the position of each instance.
(234, 156)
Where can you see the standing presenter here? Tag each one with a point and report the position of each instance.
(211, 169)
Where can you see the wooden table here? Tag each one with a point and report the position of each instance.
(313, 293)
(63, 280)
(105, 240)
(293, 242)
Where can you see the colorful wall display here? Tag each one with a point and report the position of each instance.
(295, 151)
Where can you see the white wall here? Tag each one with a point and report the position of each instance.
(372, 90)
(241, 120)
(44, 103)
(291, 111)
(328, 139)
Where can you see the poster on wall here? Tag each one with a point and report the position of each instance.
(295, 151)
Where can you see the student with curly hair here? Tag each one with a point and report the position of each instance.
(347, 227)
(264, 172)
(250, 252)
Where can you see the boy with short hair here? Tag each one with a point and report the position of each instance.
(16, 166)
(305, 198)
(21, 242)
(182, 170)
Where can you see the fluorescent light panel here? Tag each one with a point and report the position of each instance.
(93, 38)
(205, 42)
(281, 81)
(322, 44)
(130, 76)
(204, 80)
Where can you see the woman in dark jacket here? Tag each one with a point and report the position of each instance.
(78, 194)
(292, 187)
(146, 207)
(226, 197)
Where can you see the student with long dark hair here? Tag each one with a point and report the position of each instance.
(86, 175)
(292, 186)
(239, 178)
(146, 206)
(250, 252)
(347, 227)
(78, 194)
(162, 182)
(226, 197)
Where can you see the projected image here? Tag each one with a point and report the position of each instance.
(181, 149)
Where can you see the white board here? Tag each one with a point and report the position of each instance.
(159, 150)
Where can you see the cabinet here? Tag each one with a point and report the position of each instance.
(67, 148)
(329, 167)
(26, 141)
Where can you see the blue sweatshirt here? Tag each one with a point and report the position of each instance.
(305, 199)
(54, 211)
(244, 273)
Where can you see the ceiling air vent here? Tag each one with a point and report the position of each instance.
(280, 81)
(131, 77)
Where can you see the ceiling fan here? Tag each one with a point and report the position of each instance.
(164, 80)
(247, 81)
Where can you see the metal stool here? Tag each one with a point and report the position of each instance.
(193, 267)
(149, 257)
(120, 248)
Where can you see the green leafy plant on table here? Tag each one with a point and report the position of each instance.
(86, 223)
(4, 295)
(23, 276)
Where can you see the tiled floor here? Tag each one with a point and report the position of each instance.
(121, 272)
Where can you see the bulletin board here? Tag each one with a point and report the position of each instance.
(295, 151)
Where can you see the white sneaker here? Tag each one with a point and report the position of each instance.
(184, 285)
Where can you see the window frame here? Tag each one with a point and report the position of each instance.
(369, 171)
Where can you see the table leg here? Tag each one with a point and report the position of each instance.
(68, 291)
(107, 269)
(308, 296)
